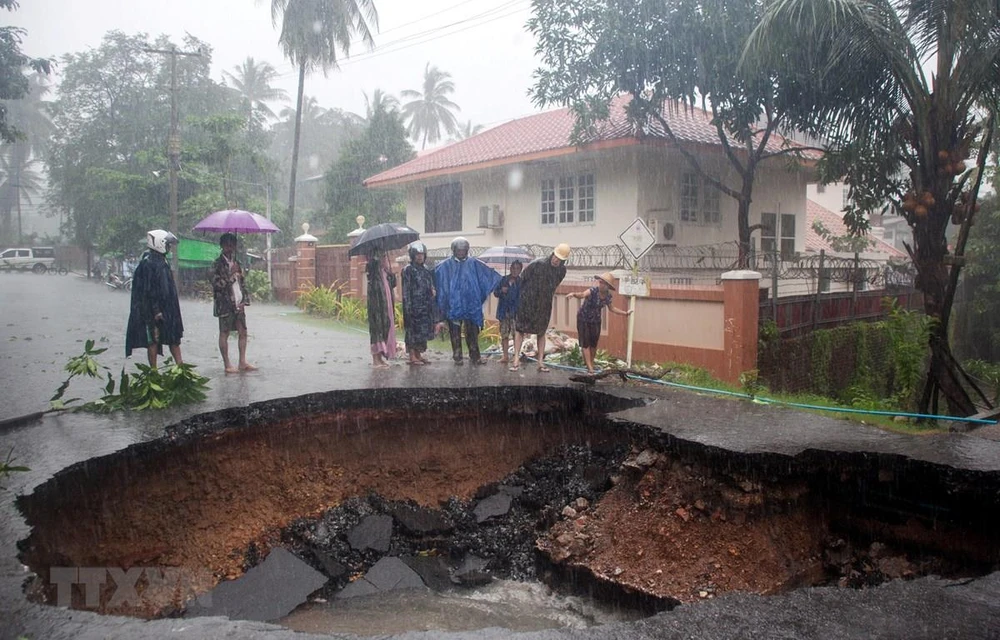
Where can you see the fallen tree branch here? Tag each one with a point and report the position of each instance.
(592, 378)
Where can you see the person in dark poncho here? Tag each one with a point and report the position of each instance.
(419, 307)
(155, 316)
(538, 284)
(508, 294)
(463, 284)
(381, 309)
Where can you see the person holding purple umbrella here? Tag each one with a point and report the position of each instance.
(231, 298)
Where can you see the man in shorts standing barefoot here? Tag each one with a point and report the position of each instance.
(231, 298)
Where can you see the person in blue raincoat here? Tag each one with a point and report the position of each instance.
(462, 285)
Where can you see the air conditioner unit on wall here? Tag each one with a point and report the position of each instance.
(654, 226)
(490, 217)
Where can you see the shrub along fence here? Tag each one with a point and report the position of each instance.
(870, 364)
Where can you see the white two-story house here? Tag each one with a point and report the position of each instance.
(524, 182)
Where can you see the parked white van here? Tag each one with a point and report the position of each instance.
(38, 259)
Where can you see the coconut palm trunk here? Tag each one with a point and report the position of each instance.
(295, 145)
(905, 89)
(945, 373)
(312, 32)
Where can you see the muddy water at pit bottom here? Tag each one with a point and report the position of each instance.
(517, 606)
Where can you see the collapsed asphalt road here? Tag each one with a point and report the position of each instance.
(57, 314)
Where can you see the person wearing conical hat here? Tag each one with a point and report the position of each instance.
(538, 284)
(588, 318)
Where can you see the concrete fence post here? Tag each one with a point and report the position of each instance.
(304, 273)
(742, 311)
(357, 288)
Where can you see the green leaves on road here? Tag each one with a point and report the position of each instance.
(149, 388)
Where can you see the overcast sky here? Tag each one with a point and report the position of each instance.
(482, 43)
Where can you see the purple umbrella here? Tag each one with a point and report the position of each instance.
(236, 221)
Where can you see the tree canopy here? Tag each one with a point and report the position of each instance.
(107, 161)
(904, 91)
(253, 81)
(14, 84)
(313, 32)
(382, 144)
(667, 55)
(430, 111)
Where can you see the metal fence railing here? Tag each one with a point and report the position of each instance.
(704, 264)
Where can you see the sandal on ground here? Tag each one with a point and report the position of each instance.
(543, 369)
(248, 367)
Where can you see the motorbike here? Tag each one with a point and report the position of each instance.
(114, 281)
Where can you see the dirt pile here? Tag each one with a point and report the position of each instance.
(681, 530)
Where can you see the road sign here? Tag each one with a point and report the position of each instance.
(637, 238)
(634, 285)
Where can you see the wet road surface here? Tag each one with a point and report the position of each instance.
(46, 320)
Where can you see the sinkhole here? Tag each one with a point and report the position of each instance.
(382, 511)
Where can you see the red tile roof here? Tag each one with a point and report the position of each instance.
(835, 225)
(548, 134)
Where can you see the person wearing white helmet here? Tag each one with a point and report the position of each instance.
(538, 284)
(155, 316)
(420, 315)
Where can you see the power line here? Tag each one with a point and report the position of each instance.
(436, 13)
(386, 47)
(292, 69)
(378, 53)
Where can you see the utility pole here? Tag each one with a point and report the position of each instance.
(174, 140)
(17, 194)
(268, 240)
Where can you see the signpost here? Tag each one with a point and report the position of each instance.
(637, 240)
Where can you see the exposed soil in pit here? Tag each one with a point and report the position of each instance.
(201, 504)
(611, 506)
(681, 529)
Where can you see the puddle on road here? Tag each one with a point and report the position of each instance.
(507, 604)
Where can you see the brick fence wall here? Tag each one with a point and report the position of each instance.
(712, 326)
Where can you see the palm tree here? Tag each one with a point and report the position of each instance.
(429, 111)
(253, 82)
(312, 32)
(467, 130)
(903, 89)
(18, 181)
(29, 115)
(379, 101)
(309, 114)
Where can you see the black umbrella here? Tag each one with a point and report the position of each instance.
(384, 237)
